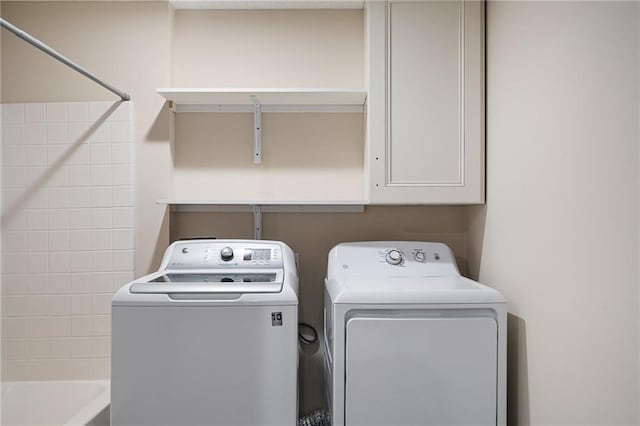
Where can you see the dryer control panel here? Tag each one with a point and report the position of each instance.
(223, 255)
(400, 258)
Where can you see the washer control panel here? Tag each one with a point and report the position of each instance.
(224, 255)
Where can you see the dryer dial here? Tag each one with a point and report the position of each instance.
(394, 257)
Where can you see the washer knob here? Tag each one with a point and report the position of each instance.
(226, 254)
(419, 256)
(394, 257)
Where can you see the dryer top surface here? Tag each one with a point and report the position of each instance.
(401, 272)
(411, 291)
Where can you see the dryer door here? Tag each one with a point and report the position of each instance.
(421, 371)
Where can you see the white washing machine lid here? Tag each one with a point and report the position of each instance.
(198, 273)
(410, 290)
(207, 282)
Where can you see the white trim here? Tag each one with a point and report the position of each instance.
(268, 207)
(267, 4)
(267, 96)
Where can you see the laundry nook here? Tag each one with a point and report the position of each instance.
(319, 212)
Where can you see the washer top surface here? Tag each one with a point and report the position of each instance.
(401, 272)
(225, 271)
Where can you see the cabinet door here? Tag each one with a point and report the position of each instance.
(426, 102)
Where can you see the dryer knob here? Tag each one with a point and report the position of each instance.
(394, 257)
(226, 254)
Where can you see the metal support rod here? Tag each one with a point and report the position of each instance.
(257, 222)
(257, 130)
(49, 51)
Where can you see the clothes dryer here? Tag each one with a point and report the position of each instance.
(210, 338)
(409, 341)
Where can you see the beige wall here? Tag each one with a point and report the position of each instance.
(268, 48)
(304, 157)
(128, 45)
(559, 233)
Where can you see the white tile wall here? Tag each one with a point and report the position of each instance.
(67, 237)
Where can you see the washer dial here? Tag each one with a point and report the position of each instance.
(226, 254)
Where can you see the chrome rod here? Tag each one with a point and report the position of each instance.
(49, 51)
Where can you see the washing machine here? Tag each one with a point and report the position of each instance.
(409, 341)
(208, 339)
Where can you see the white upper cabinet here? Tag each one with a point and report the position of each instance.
(425, 121)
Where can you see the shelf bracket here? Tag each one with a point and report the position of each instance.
(257, 130)
(257, 222)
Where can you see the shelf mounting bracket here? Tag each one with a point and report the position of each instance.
(257, 222)
(257, 130)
